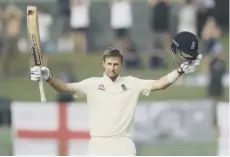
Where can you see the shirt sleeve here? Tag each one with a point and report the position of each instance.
(81, 88)
(144, 86)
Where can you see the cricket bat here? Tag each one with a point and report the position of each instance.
(35, 44)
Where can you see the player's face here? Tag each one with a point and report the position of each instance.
(112, 66)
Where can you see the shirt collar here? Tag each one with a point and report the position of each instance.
(109, 79)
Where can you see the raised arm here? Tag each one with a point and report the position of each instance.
(62, 86)
(166, 81)
(186, 67)
(56, 83)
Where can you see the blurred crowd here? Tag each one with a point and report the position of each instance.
(196, 16)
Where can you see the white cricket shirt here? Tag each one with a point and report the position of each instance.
(112, 104)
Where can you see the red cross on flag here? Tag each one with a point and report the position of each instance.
(49, 129)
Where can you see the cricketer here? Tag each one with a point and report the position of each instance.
(112, 98)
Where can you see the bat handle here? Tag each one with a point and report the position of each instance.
(41, 89)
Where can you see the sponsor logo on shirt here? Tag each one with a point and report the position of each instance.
(101, 87)
(124, 87)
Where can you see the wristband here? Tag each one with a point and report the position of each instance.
(180, 71)
(172, 77)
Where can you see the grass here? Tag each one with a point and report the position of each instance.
(30, 92)
(181, 149)
(21, 88)
(5, 141)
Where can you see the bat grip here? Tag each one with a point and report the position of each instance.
(41, 89)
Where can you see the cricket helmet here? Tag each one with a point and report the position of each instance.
(185, 47)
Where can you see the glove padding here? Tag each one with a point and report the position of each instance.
(36, 72)
(190, 66)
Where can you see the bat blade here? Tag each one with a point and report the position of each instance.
(33, 35)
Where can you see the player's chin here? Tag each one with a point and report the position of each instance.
(112, 74)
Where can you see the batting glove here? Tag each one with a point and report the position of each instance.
(190, 66)
(36, 72)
